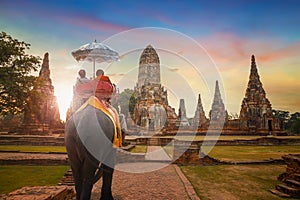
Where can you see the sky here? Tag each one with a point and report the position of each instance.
(198, 42)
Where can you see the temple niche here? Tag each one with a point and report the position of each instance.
(152, 111)
(256, 111)
(42, 113)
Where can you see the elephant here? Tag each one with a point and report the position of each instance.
(89, 138)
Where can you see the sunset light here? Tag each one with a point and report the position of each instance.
(64, 98)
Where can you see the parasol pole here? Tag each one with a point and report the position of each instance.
(94, 69)
(94, 64)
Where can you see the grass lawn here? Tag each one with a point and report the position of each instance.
(13, 177)
(33, 148)
(246, 153)
(234, 182)
(169, 150)
(139, 149)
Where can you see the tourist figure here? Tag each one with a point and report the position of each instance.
(91, 136)
(79, 97)
(82, 77)
(90, 86)
(99, 73)
(84, 88)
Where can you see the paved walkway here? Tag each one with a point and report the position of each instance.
(165, 183)
(149, 180)
(157, 153)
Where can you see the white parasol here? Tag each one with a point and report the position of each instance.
(95, 52)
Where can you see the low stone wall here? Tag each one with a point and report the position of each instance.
(190, 156)
(31, 140)
(152, 141)
(43, 162)
(37, 158)
(41, 193)
(263, 141)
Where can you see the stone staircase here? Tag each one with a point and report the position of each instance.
(67, 179)
(290, 186)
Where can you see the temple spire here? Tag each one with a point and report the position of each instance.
(45, 70)
(217, 96)
(217, 111)
(182, 119)
(182, 110)
(199, 117)
(254, 79)
(253, 72)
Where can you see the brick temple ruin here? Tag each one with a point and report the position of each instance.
(152, 111)
(41, 115)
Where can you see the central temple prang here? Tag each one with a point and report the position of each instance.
(152, 111)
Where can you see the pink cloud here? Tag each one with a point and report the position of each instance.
(95, 23)
(165, 19)
(288, 51)
(231, 51)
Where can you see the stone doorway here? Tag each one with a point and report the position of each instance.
(270, 125)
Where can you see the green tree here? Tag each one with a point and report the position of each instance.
(15, 74)
(283, 117)
(233, 116)
(127, 101)
(293, 124)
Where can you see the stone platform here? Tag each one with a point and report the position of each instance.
(19, 158)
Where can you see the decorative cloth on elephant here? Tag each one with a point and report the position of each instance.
(111, 112)
(98, 130)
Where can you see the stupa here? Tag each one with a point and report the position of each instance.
(152, 110)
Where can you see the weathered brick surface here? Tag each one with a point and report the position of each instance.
(159, 184)
(11, 158)
(290, 178)
(41, 193)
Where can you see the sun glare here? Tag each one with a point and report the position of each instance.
(64, 97)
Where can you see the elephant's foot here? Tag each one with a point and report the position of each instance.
(106, 196)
